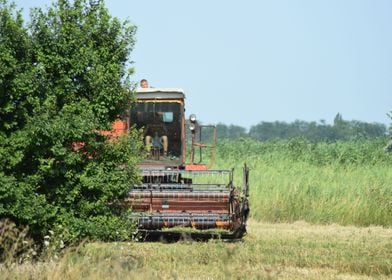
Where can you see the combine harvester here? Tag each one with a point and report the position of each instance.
(177, 197)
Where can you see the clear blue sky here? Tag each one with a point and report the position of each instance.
(243, 62)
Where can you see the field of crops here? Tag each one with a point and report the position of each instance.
(318, 211)
(347, 183)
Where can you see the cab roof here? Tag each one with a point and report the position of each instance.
(160, 93)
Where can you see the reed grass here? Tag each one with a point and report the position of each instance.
(287, 189)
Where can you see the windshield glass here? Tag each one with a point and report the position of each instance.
(161, 124)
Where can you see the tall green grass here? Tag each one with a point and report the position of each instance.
(342, 182)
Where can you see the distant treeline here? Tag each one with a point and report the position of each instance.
(312, 131)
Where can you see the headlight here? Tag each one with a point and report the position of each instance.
(192, 118)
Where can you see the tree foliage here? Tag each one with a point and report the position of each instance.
(230, 131)
(340, 130)
(388, 147)
(63, 78)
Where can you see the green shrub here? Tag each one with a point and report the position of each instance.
(63, 79)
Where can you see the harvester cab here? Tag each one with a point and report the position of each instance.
(177, 195)
(160, 114)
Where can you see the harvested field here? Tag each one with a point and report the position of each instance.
(275, 251)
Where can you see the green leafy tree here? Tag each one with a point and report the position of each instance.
(313, 131)
(63, 79)
(231, 131)
(388, 147)
(14, 68)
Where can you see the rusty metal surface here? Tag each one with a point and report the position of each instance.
(180, 186)
(159, 206)
(195, 195)
(175, 201)
(194, 220)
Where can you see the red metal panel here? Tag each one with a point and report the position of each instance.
(196, 167)
(217, 202)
